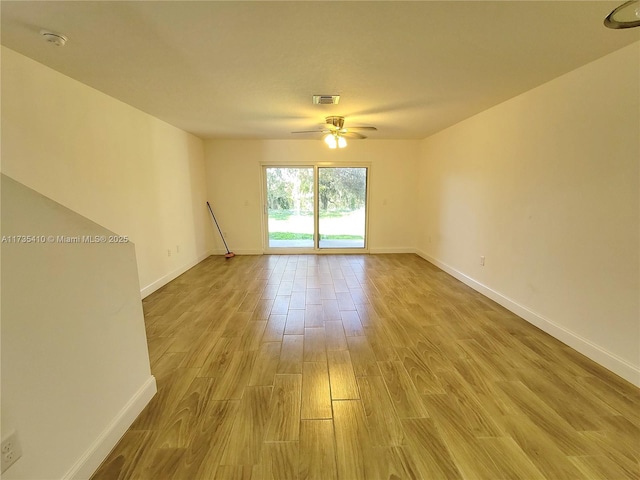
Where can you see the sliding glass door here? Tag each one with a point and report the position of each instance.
(290, 207)
(342, 195)
(315, 207)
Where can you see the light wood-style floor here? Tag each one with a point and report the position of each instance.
(364, 367)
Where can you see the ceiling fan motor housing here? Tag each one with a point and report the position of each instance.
(336, 121)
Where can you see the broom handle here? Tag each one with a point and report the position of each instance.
(214, 219)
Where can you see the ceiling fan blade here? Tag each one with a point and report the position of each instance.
(363, 128)
(313, 131)
(355, 135)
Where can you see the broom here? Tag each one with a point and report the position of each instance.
(228, 254)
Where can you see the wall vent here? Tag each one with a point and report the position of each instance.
(326, 99)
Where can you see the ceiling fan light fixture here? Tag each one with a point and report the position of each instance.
(331, 141)
(626, 15)
(334, 132)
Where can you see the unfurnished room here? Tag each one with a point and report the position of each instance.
(320, 240)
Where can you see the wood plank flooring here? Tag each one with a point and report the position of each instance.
(364, 367)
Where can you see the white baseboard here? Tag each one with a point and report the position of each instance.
(89, 462)
(293, 251)
(585, 346)
(162, 281)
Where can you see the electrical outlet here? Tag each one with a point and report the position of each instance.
(482, 260)
(168, 252)
(10, 450)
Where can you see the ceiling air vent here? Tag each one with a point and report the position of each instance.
(326, 99)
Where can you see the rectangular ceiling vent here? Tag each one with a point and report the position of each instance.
(326, 99)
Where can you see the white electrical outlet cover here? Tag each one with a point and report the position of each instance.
(10, 451)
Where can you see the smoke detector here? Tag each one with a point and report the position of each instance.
(55, 38)
(326, 99)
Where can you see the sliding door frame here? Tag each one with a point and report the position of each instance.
(316, 214)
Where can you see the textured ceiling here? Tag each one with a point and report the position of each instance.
(249, 69)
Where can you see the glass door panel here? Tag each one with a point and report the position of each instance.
(342, 201)
(290, 207)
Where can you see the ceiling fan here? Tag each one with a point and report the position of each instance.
(336, 133)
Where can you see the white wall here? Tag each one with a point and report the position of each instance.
(545, 186)
(116, 165)
(234, 184)
(75, 367)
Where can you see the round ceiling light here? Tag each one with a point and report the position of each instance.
(626, 15)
